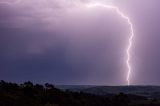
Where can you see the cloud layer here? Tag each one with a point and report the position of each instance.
(62, 42)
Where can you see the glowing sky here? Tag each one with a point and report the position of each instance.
(61, 42)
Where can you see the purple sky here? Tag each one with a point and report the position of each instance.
(62, 42)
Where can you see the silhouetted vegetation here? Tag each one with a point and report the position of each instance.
(29, 94)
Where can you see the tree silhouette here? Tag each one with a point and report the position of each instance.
(28, 94)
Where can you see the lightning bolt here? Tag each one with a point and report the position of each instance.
(131, 35)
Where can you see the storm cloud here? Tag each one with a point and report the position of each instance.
(63, 42)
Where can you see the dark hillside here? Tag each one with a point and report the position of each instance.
(29, 94)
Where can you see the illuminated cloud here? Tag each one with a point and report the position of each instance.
(66, 43)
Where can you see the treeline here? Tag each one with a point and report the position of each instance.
(29, 94)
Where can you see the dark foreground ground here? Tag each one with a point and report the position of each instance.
(29, 94)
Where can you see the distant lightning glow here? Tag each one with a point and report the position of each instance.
(131, 35)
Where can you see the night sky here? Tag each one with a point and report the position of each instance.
(62, 42)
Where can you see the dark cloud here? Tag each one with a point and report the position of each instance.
(64, 43)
